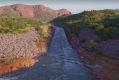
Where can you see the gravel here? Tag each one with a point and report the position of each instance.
(19, 45)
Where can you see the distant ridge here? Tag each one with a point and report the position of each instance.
(33, 11)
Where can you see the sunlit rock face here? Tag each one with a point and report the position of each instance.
(22, 10)
(63, 12)
(34, 11)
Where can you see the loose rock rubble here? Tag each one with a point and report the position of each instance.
(19, 45)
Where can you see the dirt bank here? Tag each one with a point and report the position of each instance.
(11, 65)
(102, 67)
(21, 51)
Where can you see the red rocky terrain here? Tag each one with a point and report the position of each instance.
(33, 11)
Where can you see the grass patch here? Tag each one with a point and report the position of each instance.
(7, 62)
(11, 65)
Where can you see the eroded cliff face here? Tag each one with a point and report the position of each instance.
(34, 11)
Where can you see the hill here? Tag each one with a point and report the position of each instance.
(33, 11)
(97, 28)
(95, 34)
(104, 22)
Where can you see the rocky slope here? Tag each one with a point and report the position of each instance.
(33, 11)
(22, 40)
(18, 51)
(19, 45)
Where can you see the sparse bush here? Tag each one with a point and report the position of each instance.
(104, 22)
(98, 55)
(82, 39)
(15, 25)
(7, 62)
(92, 46)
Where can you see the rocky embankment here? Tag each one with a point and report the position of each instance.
(19, 51)
(104, 66)
(21, 45)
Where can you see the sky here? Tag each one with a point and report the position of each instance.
(75, 6)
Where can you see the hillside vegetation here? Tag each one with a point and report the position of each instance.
(22, 38)
(95, 34)
(104, 22)
(13, 24)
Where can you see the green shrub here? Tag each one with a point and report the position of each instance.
(82, 39)
(92, 45)
(7, 62)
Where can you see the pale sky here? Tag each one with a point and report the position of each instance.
(75, 6)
